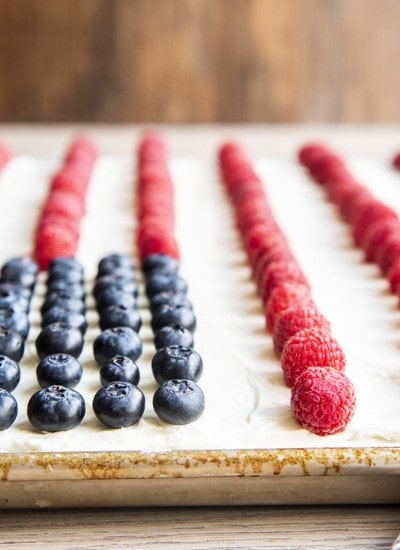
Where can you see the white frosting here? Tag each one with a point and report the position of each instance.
(247, 402)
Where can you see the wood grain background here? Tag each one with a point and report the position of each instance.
(183, 61)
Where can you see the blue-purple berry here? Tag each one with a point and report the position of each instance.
(119, 369)
(59, 338)
(56, 408)
(119, 404)
(12, 344)
(8, 409)
(176, 362)
(10, 373)
(117, 341)
(120, 316)
(173, 335)
(179, 401)
(59, 369)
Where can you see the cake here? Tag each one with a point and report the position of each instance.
(247, 400)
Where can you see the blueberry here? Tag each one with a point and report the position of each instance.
(74, 290)
(114, 262)
(62, 299)
(120, 316)
(171, 298)
(59, 338)
(56, 409)
(119, 368)
(59, 368)
(113, 296)
(22, 270)
(13, 299)
(179, 401)
(176, 362)
(115, 281)
(64, 264)
(8, 409)
(59, 314)
(159, 282)
(68, 269)
(72, 277)
(19, 264)
(15, 320)
(170, 315)
(160, 262)
(173, 335)
(11, 344)
(16, 288)
(117, 341)
(10, 373)
(119, 404)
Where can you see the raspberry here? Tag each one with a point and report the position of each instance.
(5, 154)
(65, 203)
(282, 297)
(251, 213)
(356, 199)
(277, 251)
(246, 190)
(393, 276)
(277, 273)
(295, 319)
(156, 239)
(396, 161)
(370, 215)
(311, 152)
(52, 241)
(325, 169)
(377, 235)
(152, 145)
(339, 189)
(309, 348)
(70, 179)
(389, 253)
(81, 148)
(258, 239)
(323, 400)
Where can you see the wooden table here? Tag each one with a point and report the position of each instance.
(297, 527)
(347, 527)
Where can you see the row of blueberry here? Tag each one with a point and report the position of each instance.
(57, 406)
(17, 281)
(176, 365)
(119, 402)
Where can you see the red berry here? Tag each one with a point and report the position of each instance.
(311, 152)
(368, 215)
(258, 238)
(283, 297)
(309, 348)
(351, 204)
(295, 319)
(5, 154)
(376, 237)
(390, 252)
(277, 251)
(280, 272)
(393, 276)
(339, 190)
(396, 161)
(53, 241)
(323, 400)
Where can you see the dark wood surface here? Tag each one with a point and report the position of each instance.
(200, 60)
